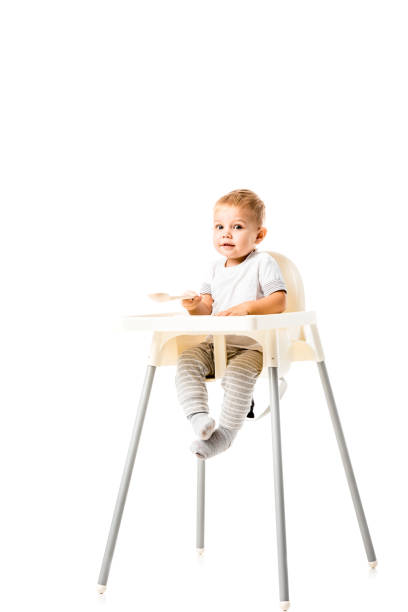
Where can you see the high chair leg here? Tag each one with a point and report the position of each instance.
(126, 476)
(200, 505)
(278, 480)
(347, 464)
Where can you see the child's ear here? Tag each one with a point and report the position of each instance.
(261, 234)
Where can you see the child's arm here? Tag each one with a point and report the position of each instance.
(271, 304)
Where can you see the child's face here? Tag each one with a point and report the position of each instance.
(237, 227)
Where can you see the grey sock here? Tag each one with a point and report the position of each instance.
(203, 424)
(220, 440)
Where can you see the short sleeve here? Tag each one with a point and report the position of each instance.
(206, 280)
(270, 276)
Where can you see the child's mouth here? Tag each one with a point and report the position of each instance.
(228, 245)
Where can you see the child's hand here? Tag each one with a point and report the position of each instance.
(191, 304)
(235, 311)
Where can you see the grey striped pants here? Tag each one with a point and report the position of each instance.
(243, 368)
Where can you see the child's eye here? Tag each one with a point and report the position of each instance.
(237, 225)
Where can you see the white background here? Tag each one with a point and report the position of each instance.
(121, 124)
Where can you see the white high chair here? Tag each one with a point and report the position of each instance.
(283, 340)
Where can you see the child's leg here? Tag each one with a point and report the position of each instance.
(244, 367)
(193, 365)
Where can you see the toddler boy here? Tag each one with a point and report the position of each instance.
(245, 281)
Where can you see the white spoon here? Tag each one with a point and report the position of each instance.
(165, 297)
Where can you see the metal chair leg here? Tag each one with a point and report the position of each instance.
(282, 388)
(200, 505)
(347, 464)
(278, 480)
(126, 476)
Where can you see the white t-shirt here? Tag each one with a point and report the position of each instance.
(257, 276)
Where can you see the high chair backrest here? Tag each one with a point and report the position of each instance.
(295, 299)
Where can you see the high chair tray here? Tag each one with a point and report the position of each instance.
(174, 321)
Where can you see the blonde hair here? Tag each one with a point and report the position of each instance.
(247, 199)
